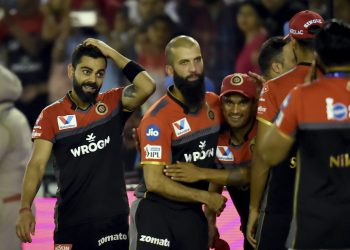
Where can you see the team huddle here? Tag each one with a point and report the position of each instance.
(279, 143)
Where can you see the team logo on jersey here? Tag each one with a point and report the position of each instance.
(67, 121)
(63, 246)
(101, 108)
(211, 115)
(152, 132)
(335, 111)
(153, 152)
(223, 153)
(181, 127)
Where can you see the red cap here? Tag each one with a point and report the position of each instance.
(239, 83)
(220, 244)
(300, 24)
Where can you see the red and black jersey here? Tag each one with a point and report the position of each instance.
(169, 133)
(230, 156)
(280, 187)
(86, 150)
(318, 116)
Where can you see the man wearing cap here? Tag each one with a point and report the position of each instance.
(316, 117)
(276, 184)
(238, 100)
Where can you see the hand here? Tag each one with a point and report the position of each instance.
(102, 46)
(25, 226)
(185, 172)
(260, 80)
(251, 226)
(216, 202)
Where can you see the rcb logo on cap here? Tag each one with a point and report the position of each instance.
(236, 79)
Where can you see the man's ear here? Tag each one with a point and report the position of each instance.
(276, 67)
(169, 70)
(70, 71)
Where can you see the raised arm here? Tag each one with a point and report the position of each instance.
(142, 85)
(31, 183)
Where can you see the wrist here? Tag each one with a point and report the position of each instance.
(25, 209)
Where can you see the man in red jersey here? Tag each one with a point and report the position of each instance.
(238, 100)
(316, 117)
(83, 131)
(277, 184)
(183, 126)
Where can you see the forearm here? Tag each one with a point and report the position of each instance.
(233, 177)
(179, 192)
(31, 184)
(259, 176)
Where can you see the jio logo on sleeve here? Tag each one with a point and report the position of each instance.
(152, 132)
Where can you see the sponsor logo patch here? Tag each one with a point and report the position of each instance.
(152, 132)
(63, 246)
(153, 152)
(67, 121)
(336, 111)
(181, 127)
(223, 153)
(156, 241)
(112, 237)
(91, 147)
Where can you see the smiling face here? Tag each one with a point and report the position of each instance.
(88, 77)
(238, 110)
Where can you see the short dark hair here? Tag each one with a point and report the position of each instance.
(270, 51)
(332, 43)
(86, 50)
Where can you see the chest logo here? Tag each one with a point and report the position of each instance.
(101, 108)
(223, 153)
(181, 127)
(66, 122)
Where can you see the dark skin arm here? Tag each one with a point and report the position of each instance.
(188, 172)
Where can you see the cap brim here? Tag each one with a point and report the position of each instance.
(235, 91)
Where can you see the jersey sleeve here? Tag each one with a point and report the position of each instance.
(267, 108)
(287, 119)
(155, 141)
(43, 128)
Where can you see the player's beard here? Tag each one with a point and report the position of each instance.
(85, 97)
(192, 91)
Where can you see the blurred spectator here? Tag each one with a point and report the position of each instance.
(27, 54)
(159, 30)
(341, 10)
(141, 11)
(211, 22)
(15, 148)
(72, 34)
(250, 23)
(279, 13)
